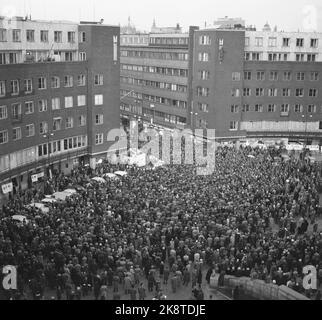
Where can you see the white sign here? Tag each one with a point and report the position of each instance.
(6, 188)
(34, 178)
(41, 175)
(10, 278)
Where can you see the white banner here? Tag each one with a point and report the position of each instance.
(34, 178)
(41, 175)
(6, 188)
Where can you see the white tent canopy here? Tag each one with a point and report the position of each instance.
(121, 173)
(61, 195)
(48, 200)
(71, 191)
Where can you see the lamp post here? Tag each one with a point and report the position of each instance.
(306, 135)
(152, 106)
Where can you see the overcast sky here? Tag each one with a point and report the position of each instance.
(288, 15)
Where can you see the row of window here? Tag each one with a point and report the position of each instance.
(261, 92)
(155, 99)
(33, 154)
(15, 35)
(154, 84)
(284, 108)
(166, 117)
(274, 56)
(41, 83)
(287, 75)
(169, 41)
(154, 55)
(160, 70)
(285, 42)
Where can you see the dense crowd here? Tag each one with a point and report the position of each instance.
(249, 218)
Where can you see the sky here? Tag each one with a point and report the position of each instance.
(287, 15)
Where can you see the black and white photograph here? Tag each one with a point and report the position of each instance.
(160, 155)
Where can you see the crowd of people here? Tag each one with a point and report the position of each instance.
(251, 217)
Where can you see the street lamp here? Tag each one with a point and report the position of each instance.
(306, 135)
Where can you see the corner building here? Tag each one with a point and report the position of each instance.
(59, 97)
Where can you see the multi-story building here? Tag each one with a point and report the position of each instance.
(154, 78)
(59, 96)
(257, 84)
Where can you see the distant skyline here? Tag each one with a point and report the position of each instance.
(287, 15)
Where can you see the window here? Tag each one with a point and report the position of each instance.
(55, 103)
(3, 112)
(98, 99)
(246, 92)
(203, 57)
(272, 92)
(204, 75)
(16, 111)
(82, 37)
(16, 35)
(300, 42)
(30, 130)
(16, 134)
(43, 127)
(299, 57)
(258, 42)
(29, 107)
(233, 125)
(71, 37)
(314, 76)
(28, 85)
(256, 56)
(300, 76)
(99, 119)
(204, 40)
(246, 108)
(313, 92)
(286, 42)
(68, 102)
(247, 56)
(273, 76)
(55, 82)
(286, 92)
(3, 136)
(43, 35)
(246, 41)
(98, 80)
(81, 101)
(42, 105)
(69, 56)
(42, 85)
(299, 92)
(235, 92)
(30, 34)
(272, 42)
(58, 36)
(247, 75)
(82, 56)
(3, 58)
(236, 76)
(14, 87)
(57, 124)
(258, 108)
(271, 108)
(2, 88)
(320, 125)
(311, 108)
(234, 109)
(203, 107)
(99, 138)
(68, 81)
(285, 108)
(202, 92)
(3, 35)
(259, 92)
(81, 80)
(69, 123)
(314, 43)
(311, 57)
(287, 76)
(260, 75)
(82, 120)
(298, 108)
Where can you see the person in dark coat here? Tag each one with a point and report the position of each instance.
(208, 275)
